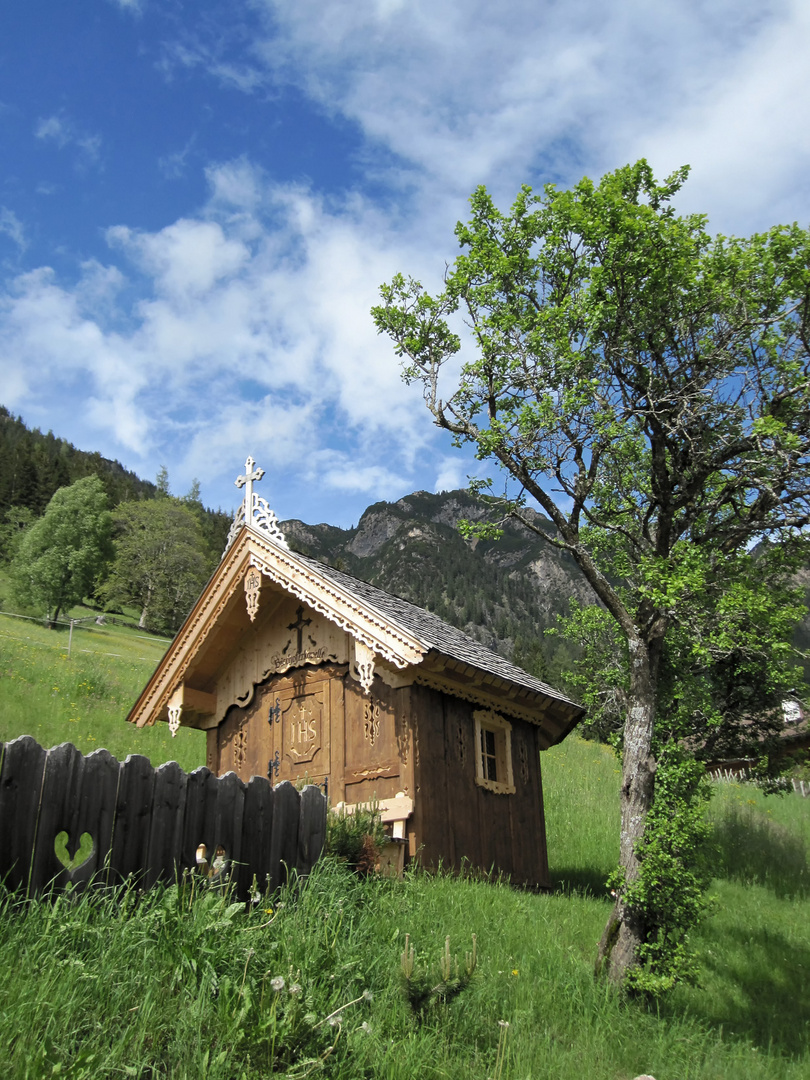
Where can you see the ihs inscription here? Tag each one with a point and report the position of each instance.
(302, 727)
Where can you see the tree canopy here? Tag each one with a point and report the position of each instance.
(648, 386)
(60, 557)
(161, 560)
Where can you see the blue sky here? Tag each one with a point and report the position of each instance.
(199, 200)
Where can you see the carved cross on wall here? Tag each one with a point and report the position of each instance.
(252, 472)
(299, 625)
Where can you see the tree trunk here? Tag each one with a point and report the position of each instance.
(145, 608)
(623, 932)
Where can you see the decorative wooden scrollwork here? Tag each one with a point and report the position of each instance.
(253, 586)
(371, 720)
(174, 718)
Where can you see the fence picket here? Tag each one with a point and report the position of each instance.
(257, 826)
(20, 790)
(284, 838)
(165, 833)
(199, 817)
(312, 828)
(230, 809)
(146, 823)
(133, 817)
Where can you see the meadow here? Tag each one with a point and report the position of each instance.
(83, 698)
(182, 983)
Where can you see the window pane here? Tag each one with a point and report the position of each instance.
(490, 768)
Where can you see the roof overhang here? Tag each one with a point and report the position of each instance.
(554, 717)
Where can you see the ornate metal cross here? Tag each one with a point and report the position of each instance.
(252, 472)
(299, 625)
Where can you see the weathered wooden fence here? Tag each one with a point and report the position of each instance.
(145, 822)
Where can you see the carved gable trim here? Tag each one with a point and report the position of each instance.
(200, 623)
(366, 625)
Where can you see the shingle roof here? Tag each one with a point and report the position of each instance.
(433, 632)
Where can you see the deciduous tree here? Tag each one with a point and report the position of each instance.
(61, 556)
(160, 560)
(649, 386)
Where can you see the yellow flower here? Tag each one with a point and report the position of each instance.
(515, 971)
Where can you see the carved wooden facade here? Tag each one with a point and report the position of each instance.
(296, 670)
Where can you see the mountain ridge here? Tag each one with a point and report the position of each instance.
(503, 593)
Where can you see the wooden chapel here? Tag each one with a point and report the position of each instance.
(296, 670)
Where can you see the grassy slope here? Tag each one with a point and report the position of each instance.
(84, 699)
(149, 991)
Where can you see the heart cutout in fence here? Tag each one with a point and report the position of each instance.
(81, 854)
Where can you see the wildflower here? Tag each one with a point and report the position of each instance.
(367, 995)
(268, 910)
(277, 983)
(333, 1021)
(366, 1026)
(295, 989)
(503, 1023)
(515, 971)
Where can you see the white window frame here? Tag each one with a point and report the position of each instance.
(502, 730)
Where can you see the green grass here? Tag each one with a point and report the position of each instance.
(85, 697)
(178, 983)
(581, 788)
(175, 985)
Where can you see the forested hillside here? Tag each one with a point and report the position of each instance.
(33, 466)
(154, 551)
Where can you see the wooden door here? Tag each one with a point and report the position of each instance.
(286, 732)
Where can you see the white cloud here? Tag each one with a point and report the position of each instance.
(347, 474)
(527, 91)
(173, 166)
(62, 131)
(185, 259)
(271, 430)
(55, 350)
(192, 52)
(11, 226)
(236, 185)
(249, 331)
(53, 128)
(747, 141)
(452, 474)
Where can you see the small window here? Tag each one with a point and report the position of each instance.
(493, 758)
